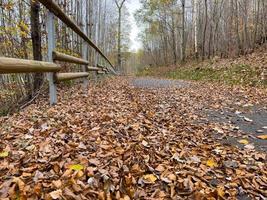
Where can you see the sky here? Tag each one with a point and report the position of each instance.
(132, 6)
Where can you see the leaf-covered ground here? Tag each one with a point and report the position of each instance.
(117, 141)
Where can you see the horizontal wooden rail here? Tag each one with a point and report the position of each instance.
(14, 65)
(105, 69)
(93, 68)
(100, 66)
(70, 76)
(57, 56)
(53, 7)
(100, 72)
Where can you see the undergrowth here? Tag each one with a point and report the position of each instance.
(234, 75)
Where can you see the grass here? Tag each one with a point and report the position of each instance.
(234, 75)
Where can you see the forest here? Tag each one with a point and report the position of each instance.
(171, 32)
(178, 30)
(133, 99)
(23, 34)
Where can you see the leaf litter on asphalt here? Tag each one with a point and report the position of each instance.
(121, 142)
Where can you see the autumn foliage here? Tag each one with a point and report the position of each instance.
(117, 141)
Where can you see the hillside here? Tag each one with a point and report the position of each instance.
(247, 70)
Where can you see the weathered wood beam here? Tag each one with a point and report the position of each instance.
(53, 7)
(264, 75)
(14, 65)
(100, 66)
(93, 68)
(57, 56)
(100, 72)
(105, 69)
(70, 76)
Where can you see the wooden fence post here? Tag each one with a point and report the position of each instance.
(51, 47)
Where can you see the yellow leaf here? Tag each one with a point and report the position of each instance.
(149, 178)
(77, 167)
(263, 137)
(220, 191)
(4, 154)
(243, 141)
(211, 163)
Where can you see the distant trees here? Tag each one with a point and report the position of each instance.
(205, 28)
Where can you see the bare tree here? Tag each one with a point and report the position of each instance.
(195, 5)
(183, 32)
(119, 4)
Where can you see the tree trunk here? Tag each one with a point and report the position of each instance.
(119, 6)
(205, 29)
(183, 32)
(195, 4)
(119, 41)
(36, 42)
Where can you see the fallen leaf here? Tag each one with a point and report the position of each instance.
(56, 194)
(263, 137)
(211, 163)
(149, 178)
(94, 161)
(145, 143)
(57, 183)
(220, 192)
(160, 168)
(249, 146)
(4, 154)
(77, 167)
(243, 141)
(195, 159)
(247, 119)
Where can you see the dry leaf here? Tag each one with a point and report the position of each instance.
(4, 154)
(263, 137)
(211, 163)
(57, 194)
(145, 143)
(149, 178)
(77, 167)
(243, 141)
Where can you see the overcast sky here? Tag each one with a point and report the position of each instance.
(132, 6)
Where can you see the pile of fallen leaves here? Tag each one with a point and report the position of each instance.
(115, 141)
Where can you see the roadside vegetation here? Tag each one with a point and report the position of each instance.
(236, 75)
(247, 71)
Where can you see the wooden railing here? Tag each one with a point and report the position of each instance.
(13, 65)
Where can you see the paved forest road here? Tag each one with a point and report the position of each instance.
(252, 120)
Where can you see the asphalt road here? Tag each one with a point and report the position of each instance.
(252, 122)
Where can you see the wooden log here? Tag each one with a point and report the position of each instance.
(105, 69)
(100, 66)
(13, 65)
(70, 76)
(53, 7)
(57, 56)
(264, 75)
(100, 72)
(93, 68)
